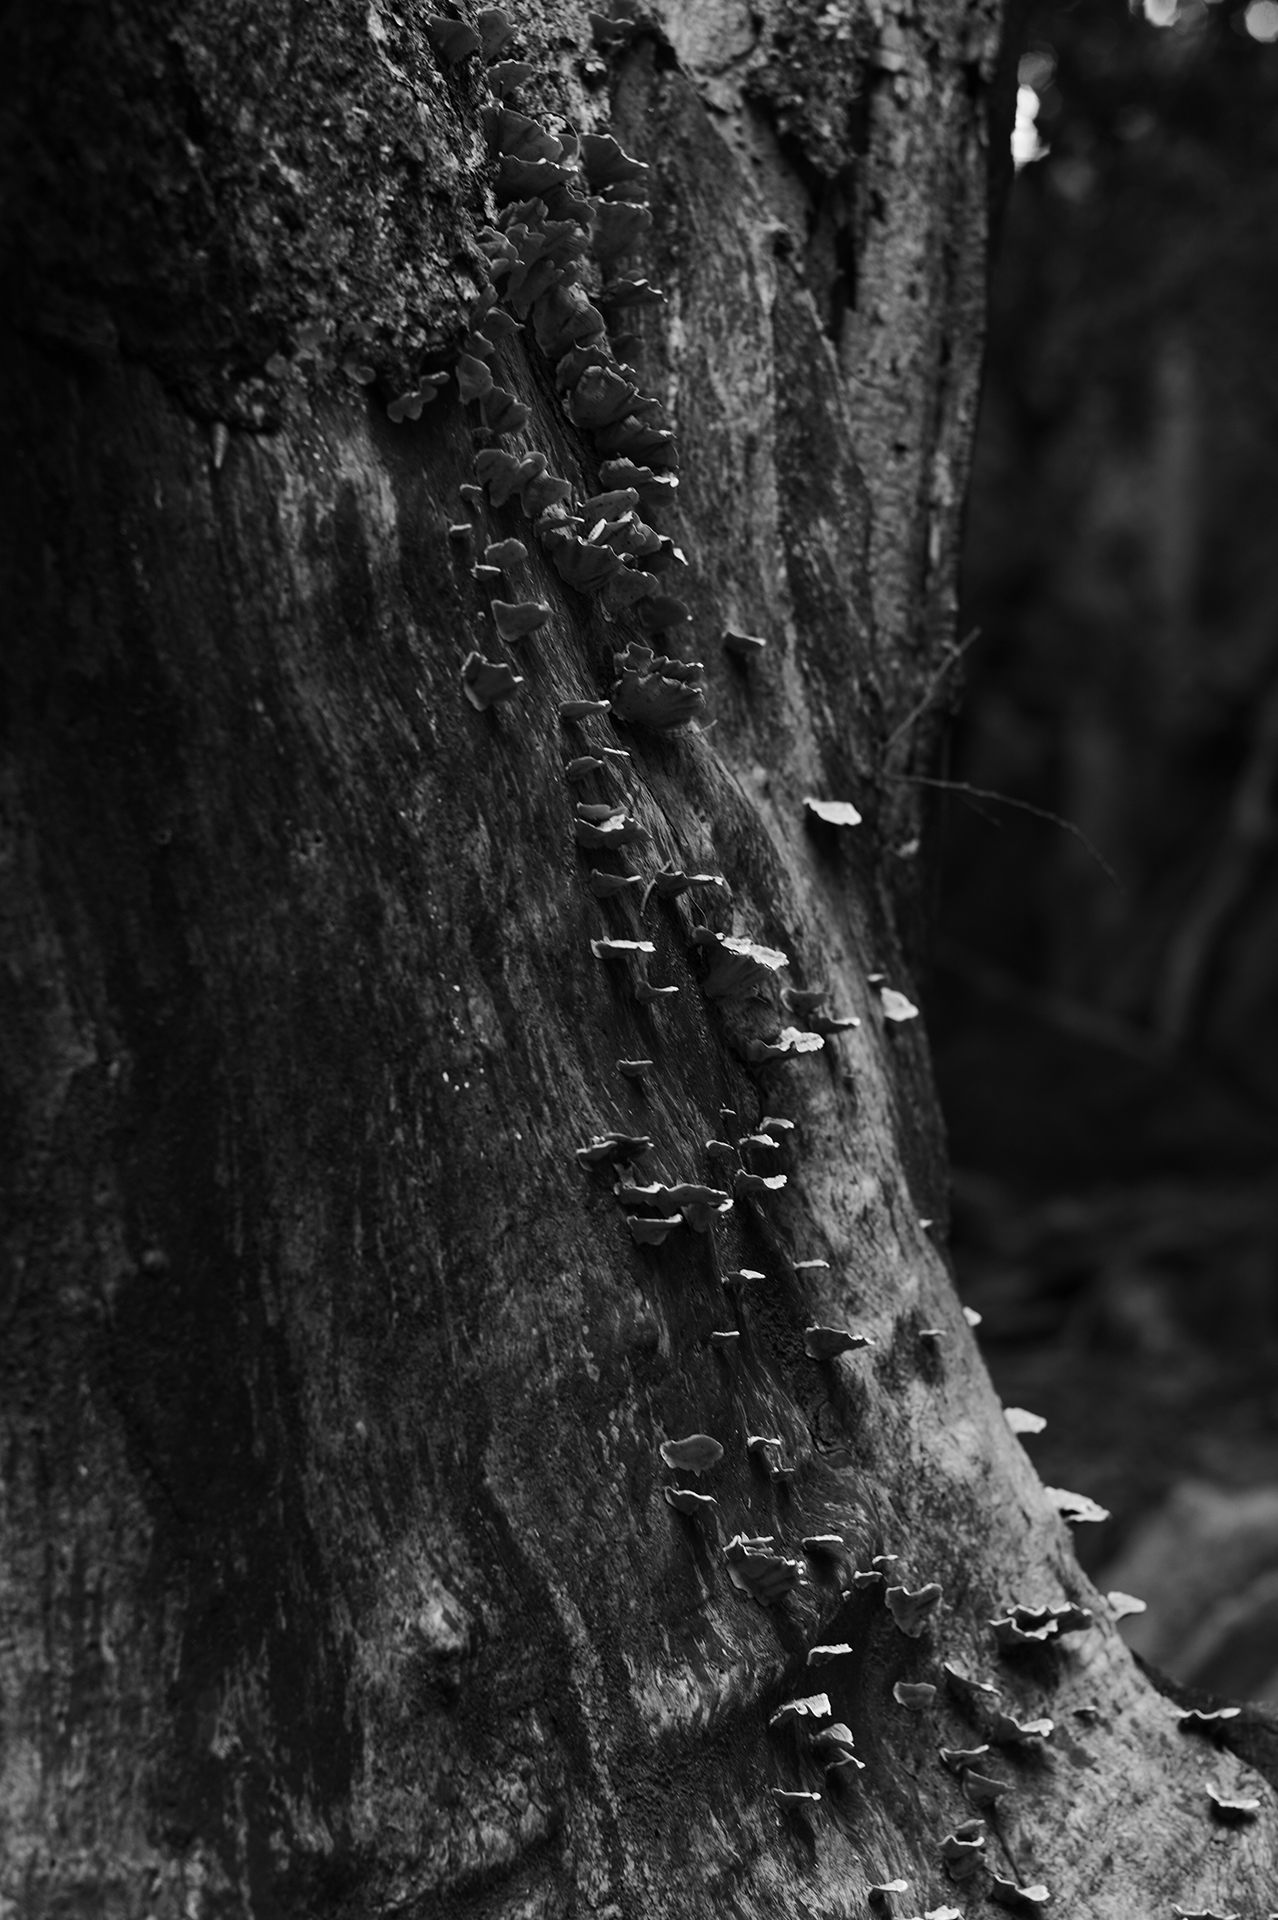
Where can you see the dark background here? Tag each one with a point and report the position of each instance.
(1104, 997)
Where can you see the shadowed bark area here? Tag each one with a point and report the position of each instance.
(339, 1576)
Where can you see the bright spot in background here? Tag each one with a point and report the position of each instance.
(1162, 13)
(1027, 144)
(1261, 20)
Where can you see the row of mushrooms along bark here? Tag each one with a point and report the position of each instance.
(563, 198)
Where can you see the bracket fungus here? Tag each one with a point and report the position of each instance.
(474, 377)
(725, 1342)
(618, 226)
(606, 164)
(881, 1892)
(972, 1317)
(625, 587)
(755, 1569)
(815, 1707)
(742, 1277)
(409, 405)
(609, 506)
(744, 646)
(1021, 1420)
(789, 1041)
(834, 1747)
(485, 682)
(499, 472)
(910, 1610)
(646, 993)
(825, 1656)
(653, 691)
(652, 487)
(631, 1194)
(614, 1149)
(1202, 1913)
(634, 1069)
(684, 1500)
(452, 40)
(519, 179)
(830, 1545)
(690, 1193)
(1008, 1731)
(746, 1185)
(497, 326)
(502, 412)
(1075, 1507)
(605, 885)
(738, 967)
(1232, 1810)
(669, 883)
(795, 1040)
(651, 1233)
(505, 554)
(915, 1694)
(832, 813)
(515, 620)
(1124, 1605)
(788, 1798)
(601, 397)
(961, 1850)
(1024, 1626)
(766, 1448)
(520, 136)
(579, 564)
(982, 1789)
(507, 76)
(495, 30)
(539, 490)
(696, 1453)
(1006, 1893)
(620, 949)
(602, 826)
(563, 318)
(571, 710)
(826, 1343)
(895, 1005)
(700, 1213)
(959, 1759)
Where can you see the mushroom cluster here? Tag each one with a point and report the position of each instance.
(570, 209)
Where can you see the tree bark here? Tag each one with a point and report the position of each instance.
(339, 1577)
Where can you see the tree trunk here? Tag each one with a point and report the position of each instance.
(340, 1577)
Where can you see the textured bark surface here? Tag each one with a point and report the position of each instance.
(338, 1576)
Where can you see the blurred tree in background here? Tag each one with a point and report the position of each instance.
(1108, 1040)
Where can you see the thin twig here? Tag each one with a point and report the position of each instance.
(1022, 806)
(917, 712)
